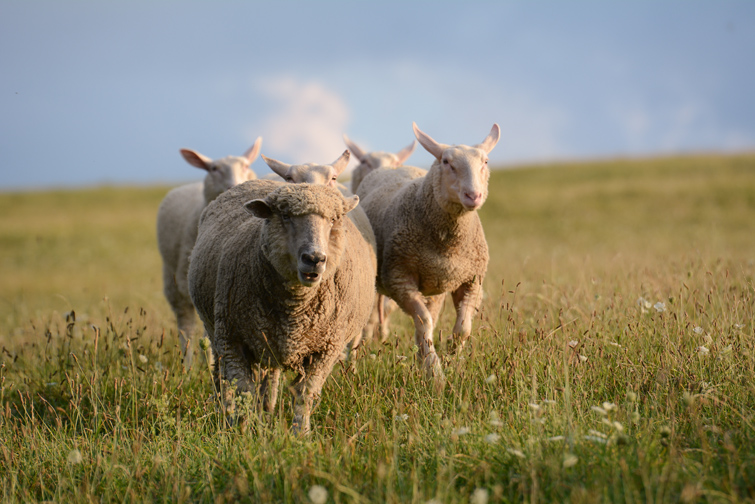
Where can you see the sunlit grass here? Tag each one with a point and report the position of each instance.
(613, 359)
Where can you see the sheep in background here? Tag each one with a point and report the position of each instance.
(177, 222)
(369, 161)
(430, 239)
(283, 288)
(312, 173)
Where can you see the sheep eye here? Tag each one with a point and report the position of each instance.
(285, 218)
(445, 161)
(289, 179)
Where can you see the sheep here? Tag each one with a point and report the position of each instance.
(177, 221)
(312, 173)
(430, 239)
(283, 288)
(369, 161)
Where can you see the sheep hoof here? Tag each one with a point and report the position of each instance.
(434, 371)
(300, 426)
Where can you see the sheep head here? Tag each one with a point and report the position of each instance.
(310, 173)
(379, 159)
(463, 169)
(224, 173)
(303, 237)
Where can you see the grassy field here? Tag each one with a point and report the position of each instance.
(613, 359)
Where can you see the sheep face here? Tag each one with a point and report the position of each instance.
(224, 173)
(464, 176)
(464, 170)
(303, 235)
(310, 173)
(373, 160)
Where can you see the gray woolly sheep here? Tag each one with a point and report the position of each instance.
(430, 240)
(369, 161)
(177, 221)
(327, 175)
(283, 288)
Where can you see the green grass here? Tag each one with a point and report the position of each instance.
(94, 404)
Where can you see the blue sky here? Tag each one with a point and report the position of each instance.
(108, 92)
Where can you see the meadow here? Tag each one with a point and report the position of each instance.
(613, 359)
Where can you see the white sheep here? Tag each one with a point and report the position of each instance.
(369, 161)
(312, 173)
(177, 222)
(430, 239)
(283, 288)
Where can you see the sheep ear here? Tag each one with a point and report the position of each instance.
(492, 139)
(404, 153)
(430, 145)
(354, 148)
(253, 151)
(341, 163)
(351, 203)
(258, 208)
(278, 167)
(196, 159)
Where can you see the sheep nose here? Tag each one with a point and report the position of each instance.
(475, 198)
(313, 259)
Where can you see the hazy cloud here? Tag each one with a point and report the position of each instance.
(306, 121)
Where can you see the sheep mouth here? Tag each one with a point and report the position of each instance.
(309, 278)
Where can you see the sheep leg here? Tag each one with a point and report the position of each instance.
(466, 300)
(234, 376)
(386, 306)
(308, 387)
(269, 389)
(413, 303)
(183, 307)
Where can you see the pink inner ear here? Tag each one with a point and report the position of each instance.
(195, 159)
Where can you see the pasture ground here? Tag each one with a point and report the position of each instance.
(613, 359)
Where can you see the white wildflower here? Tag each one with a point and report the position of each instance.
(517, 453)
(596, 439)
(618, 426)
(143, 358)
(660, 307)
(708, 339)
(573, 343)
(609, 406)
(534, 407)
(74, 457)
(570, 460)
(373, 356)
(697, 330)
(739, 326)
(491, 379)
(318, 494)
(462, 431)
(582, 358)
(644, 304)
(702, 350)
(599, 410)
(549, 401)
(402, 418)
(555, 438)
(595, 433)
(479, 496)
(492, 438)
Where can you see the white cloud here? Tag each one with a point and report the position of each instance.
(307, 121)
